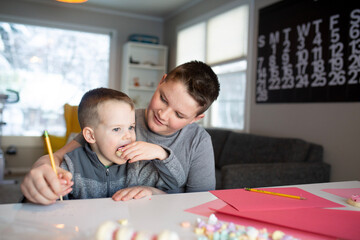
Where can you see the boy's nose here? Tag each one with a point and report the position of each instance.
(127, 135)
(164, 113)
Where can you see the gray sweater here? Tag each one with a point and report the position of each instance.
(191, 159)
(93, 180)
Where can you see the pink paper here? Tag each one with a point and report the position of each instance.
(252, 201)
(206, 210)
(328, 222)
(343, 192)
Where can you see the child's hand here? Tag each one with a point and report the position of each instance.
(140, 150)
(65, 181)
(135, 193)
(132, 193)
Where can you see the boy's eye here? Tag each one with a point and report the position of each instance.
(162, 99)
(179, 116)
(116, 129)
(132, 128)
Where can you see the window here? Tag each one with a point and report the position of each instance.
(227, 35)
(228, 110)
(190, 43)
(221, 41)
(48, 67)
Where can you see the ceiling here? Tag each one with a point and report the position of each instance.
(151, 8)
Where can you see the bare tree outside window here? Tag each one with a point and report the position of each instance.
(48, 67)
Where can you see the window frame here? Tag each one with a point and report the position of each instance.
(249, 59)
(36, 141)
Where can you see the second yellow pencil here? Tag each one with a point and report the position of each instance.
(273, 193)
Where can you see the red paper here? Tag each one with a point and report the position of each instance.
(329, 222)
(206, 210)
(253, 201)
(343, 192)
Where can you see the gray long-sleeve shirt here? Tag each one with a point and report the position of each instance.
(93, 180)
(191, 159)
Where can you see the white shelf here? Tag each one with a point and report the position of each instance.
(149, 67)
(143, 67)
(142, 89)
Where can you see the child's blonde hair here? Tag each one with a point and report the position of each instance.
(87, 111)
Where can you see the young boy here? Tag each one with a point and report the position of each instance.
(168, 131)
(107, 120)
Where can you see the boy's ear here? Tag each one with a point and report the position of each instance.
(198, 117)
(89, 135)
(163, 79)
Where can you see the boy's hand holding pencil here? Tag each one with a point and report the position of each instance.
(44, 175)
(66, 183)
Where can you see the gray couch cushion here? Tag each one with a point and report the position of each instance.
(273, 174)
(250, 148)
(218, 138)
(316, 153)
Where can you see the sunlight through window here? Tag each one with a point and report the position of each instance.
(48, 67)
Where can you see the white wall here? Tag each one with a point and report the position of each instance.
(336, 126)
(52, 14)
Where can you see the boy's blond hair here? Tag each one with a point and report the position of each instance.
(88, 107)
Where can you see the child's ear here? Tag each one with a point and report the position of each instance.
(197, 118)
(163, 79)
(89, 135)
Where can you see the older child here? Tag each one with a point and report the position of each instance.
(107, 120)
(185, 148)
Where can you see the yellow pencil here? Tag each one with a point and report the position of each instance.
(47, 140)
(273, 193)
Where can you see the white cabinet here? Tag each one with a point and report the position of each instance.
(143, 67)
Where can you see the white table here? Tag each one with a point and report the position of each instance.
(79, 219)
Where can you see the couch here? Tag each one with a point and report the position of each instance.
(249, 160)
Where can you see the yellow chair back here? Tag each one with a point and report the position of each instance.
(71, 120)
(72, 127)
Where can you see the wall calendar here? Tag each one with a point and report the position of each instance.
(308, 51)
